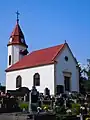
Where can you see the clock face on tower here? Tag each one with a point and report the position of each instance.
(10, 40)
(22, 40)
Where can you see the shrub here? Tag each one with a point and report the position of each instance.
(75, 108)
(23, 105)
(60, 110)
(46, 107)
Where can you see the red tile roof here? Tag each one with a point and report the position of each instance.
(38, 58)
(17, 36)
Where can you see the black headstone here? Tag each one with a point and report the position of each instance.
(59, 89)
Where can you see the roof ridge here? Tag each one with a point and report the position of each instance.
(58, 51)
(47, 47)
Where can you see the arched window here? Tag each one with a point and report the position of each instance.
(18, 81)
(36, 79)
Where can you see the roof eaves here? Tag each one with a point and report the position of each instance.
(9, 69)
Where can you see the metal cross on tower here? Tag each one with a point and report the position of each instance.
(17, 13)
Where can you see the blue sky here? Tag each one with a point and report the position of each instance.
(46, 23)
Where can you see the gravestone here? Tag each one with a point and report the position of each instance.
(47, 92)
(34, 96)
(59, 89)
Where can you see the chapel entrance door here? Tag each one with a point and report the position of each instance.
(67, 85)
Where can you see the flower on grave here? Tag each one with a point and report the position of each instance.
(45, 108)
(12, 97)
(85, 98)
(72, 100)
(88, 109)
(70, 93)
(85, 103)
(57, 106)
(52, 97)
(68, 111)
(75, 101)
(82, 107)
(23, 109)
(39, 109)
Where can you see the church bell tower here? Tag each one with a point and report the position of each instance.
(17, 47)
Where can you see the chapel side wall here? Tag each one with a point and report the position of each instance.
(46, 78)
(69, 66)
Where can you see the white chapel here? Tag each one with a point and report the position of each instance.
(54, 68)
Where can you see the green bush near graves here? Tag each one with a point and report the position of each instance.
(60, 110)
(23, 105)
(46, 106)
(75, 108)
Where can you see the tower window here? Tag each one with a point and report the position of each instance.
(9, 59)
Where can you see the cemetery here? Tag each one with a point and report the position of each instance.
(63, 106)
(46, 83)
(35, 105)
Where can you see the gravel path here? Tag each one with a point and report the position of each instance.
(7, 116)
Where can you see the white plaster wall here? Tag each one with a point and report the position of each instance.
(69, 66)
(14, 50)
(46, 78)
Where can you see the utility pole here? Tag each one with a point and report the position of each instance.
(88, 60)
(88, 64)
